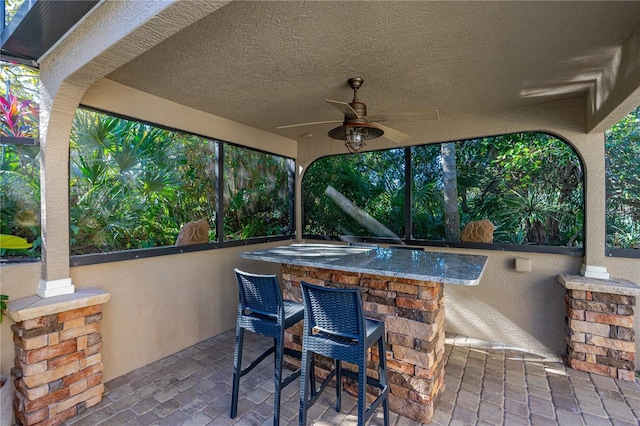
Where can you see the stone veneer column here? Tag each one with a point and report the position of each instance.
(413, 313)
(58, 364)
(600, 336)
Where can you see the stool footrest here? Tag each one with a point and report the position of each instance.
(315, 395)
(354, 376)
(292, 353)
(257, 361)
(296, 373)
(376, 403)
(291, 377)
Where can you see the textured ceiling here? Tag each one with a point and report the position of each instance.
(272, 63)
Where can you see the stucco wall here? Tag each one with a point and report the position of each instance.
(163, 304)
(158, 305)
(523, 309)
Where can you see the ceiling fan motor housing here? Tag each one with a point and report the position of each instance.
(359, 107)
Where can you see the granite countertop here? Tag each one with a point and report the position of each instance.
(447, 268)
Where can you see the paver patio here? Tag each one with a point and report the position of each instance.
(486, 384)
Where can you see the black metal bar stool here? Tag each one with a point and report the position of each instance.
(335, 326)
(262, 310)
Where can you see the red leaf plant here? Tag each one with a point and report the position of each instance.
(18, 118)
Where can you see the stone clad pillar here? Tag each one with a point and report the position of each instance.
(58, 364)
(600, 336)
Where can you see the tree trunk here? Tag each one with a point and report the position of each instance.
(450, 182)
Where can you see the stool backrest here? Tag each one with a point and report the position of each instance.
(334, 311)
(259, 293)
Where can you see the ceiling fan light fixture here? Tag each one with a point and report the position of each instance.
(355, 138)
(355, 134)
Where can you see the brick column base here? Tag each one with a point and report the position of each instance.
(58, 364)
(600, 337)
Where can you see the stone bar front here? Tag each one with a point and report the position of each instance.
(403, 288)
(600, 337)
(58, 364)
(413, 313)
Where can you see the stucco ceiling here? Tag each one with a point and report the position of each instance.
(272, 63)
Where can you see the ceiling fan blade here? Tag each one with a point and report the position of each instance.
(344, 107)
(313, 123)
(392, 134)
(405, 116)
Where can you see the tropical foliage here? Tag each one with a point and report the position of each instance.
(20, 196)
(134, 185)
(20, 81)
(11, 7)
(529, 185)
(257, 194)
(19, 163)
(18, 117)
(622, 145)
(373, 181)
(3, 304)
(124, 177)
(13, 242)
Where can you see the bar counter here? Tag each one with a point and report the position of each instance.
(403, 288)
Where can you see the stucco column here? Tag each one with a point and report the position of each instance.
(298, 200)
(55, 128)
(592, 150)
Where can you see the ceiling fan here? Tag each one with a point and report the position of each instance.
(358, 127)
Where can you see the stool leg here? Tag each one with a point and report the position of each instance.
(338, 385)
(383, 379)
(278, 381)
(362, 393)
(275, 351)
(313, 375)
(307, 362)
(237, 369)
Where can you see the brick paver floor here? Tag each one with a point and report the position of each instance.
(486, 384)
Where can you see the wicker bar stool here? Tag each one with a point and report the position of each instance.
(335, 326)
(262, 310)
